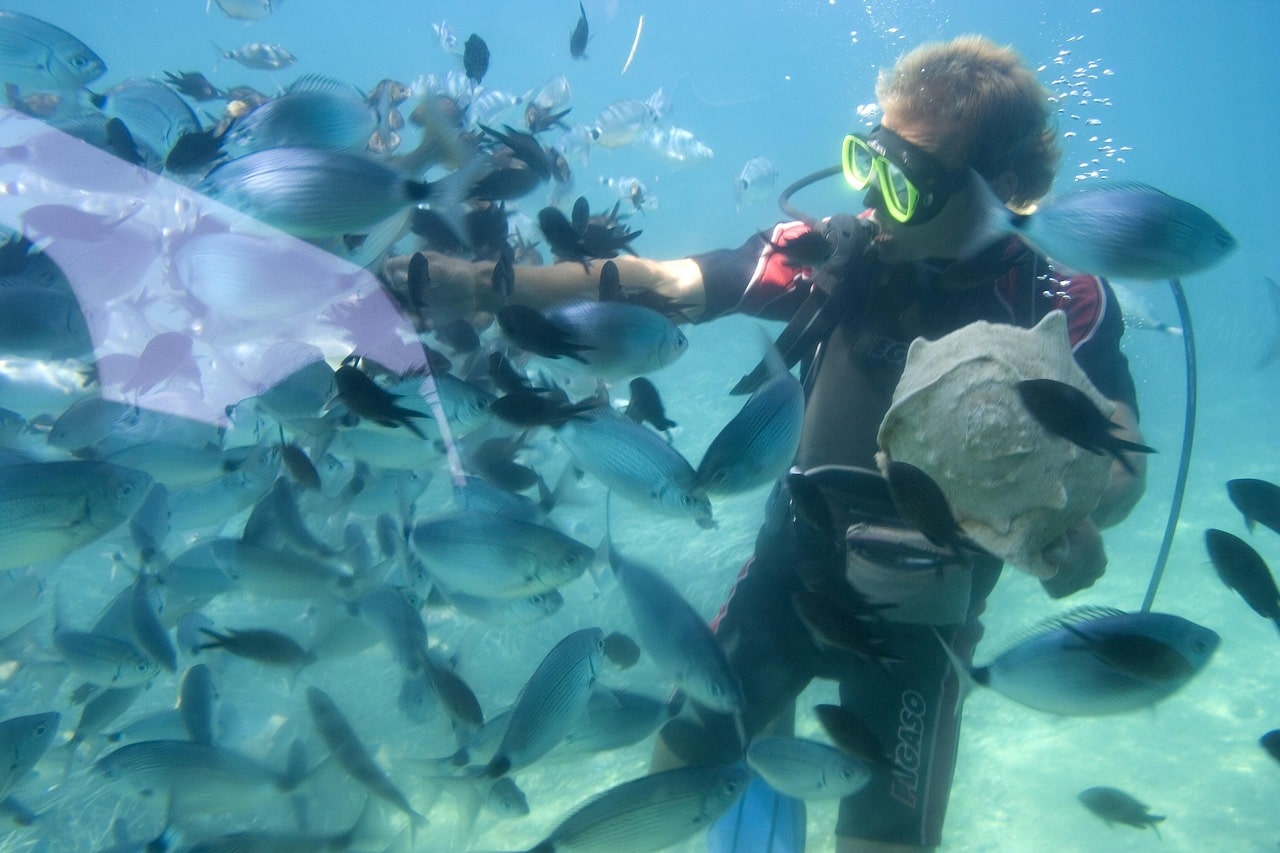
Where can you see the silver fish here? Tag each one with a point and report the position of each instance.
(245, 10)
(759, 443)
(218, 500)
(508, 611)
(806, 769)
(38, 57)
(678, 145)
(278, 574)
(618, 340)
(1123, 229)
(551, 702)
(199, 778)
(53, 508)
(22, 741)
(102, 660)
(156, 116)
(1098, 660)
(346, 747)
(260, 56)
(176, 466)
(615, 719)
(621, 123)
(332, 116)
(496, 557)
(652, 812)
(44, 323)
(317, 192)
(755, 182)
(19, 594)
(399, 624)
(635, 463)
(676, 636)
(151, 634)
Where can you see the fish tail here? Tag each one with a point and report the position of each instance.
(296, 768)
(968, 676)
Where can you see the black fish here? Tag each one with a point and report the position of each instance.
(645, 406)
(531, 331)
(433, 228)
(194, 85)
(487, 231)
(578, 41)
(1067, 412)
(610, 283)
(495, 461)
(367, 399)
(581, 216)
(1242, 569)
(839, 624)
(538, 119)
(1271, 743)
(298, 465)
(1140, 656)
(530, 409)
(504, 274)
(810, 249)
(1258, 501)
(621, 650)
(851, 735)
(809, 505)
(920, 501)
(1115, 806)
(193, 151)
(504, 375)
(526, 149)
(120, 142)
(261, 645)
(475, 57)
(506, 184)
(605, 236)
(459, 335)
(564, 240)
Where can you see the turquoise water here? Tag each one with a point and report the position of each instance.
(1186, 89)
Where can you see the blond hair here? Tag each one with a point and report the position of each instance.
(987, 90)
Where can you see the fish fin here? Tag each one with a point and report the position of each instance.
(967, 676)
(762, 820)
(1062, 620)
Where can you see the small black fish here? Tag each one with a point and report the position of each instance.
(194, 85)
(539, 119)
(645, 406)
(1115, 806)
(581, 215)
(504, 274)
(194, 151)
(920, 501)
(487, 230)
(621, 650)
(530, 409)
(578, 41)
(808, 504)
(504, 375)
(562, 237)
(1258, 501)
(610, 283)
(1271, 743)
(120, 142)
(367, 399)
(839, 624)
(459, 335)
(1067, 412)
(525, 147)
(299, 467)
(495, 461)
(432, 227)
(1244, 570)
(810, 249)
(260, 645)
(506, 184)
(475, 57)
(851, 735)
(533, 332)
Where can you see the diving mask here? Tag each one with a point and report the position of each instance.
(913, 184)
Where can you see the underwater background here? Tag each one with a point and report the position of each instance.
(1184, 97)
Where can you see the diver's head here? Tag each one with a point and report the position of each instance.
(950, 109)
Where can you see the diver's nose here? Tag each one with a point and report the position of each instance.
(873, 198)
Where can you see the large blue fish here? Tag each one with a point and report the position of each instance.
(1098, 660)
(36, 56)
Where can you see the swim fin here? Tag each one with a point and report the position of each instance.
(761, 821)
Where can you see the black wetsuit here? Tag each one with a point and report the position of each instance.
(905, 689)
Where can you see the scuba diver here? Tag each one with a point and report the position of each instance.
(917, 263)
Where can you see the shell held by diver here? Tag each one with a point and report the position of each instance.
(1013, 487)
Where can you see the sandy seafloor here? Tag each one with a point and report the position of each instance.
(1189, 88)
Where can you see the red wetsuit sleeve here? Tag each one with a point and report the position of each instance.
(1095, 327)
(755, 278)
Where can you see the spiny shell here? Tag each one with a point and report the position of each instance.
(956, 415)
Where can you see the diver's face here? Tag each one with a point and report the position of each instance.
(949, 234)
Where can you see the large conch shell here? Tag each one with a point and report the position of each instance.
(1013, 487)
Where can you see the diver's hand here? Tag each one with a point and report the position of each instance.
(449, 290)
(1080, 558)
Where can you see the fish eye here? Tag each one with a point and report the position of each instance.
(716, 690)
(143, 666)
(40, 730)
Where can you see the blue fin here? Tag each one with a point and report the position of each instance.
(761, 821)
